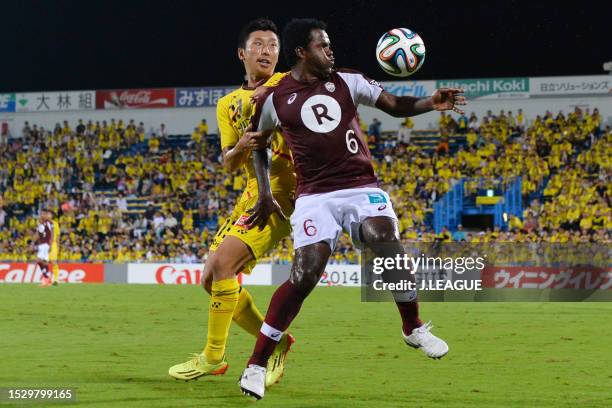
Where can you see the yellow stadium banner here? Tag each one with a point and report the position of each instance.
(484, 200)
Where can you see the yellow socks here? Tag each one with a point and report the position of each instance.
(229, 301)
(246, 315)
(55, 271)
(222, 305)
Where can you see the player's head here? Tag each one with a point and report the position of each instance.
(258, 47)
(46, 214)
(306, 42)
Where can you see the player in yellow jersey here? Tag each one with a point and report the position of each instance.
(54, 252)
(236, 248)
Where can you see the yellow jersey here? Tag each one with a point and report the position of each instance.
(234, 112)
(55, 241)
(56, 233)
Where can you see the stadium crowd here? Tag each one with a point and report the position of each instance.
(90, 174)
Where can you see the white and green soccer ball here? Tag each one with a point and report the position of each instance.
(400, 52)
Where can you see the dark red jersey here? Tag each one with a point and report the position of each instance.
(45, 233)
(318, 122)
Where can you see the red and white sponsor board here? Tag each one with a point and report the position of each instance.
(260, 275)
(68, 273)
(165, 273)
(189, 274)
(135, 98)
(531, 277)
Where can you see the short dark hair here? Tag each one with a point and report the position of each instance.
(260, 24)
(297, 33)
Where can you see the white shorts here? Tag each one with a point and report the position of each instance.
(323, 217)
(43, 252)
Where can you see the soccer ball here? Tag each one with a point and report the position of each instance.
(400, 52)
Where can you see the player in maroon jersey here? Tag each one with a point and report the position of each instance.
(315, 106)
(44, 239)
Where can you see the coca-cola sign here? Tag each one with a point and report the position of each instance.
(135, 99)
(68, 273)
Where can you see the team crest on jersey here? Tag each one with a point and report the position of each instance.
(330, 86)
(291, 98)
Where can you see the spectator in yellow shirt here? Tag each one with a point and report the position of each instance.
(203, 128)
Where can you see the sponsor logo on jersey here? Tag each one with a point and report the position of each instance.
(241, 222)
(377, 198)
(291, 98)
(373, 82)
(321, 113)
(330, 86)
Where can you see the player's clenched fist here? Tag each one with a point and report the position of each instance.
(254, 140)
(266, 206)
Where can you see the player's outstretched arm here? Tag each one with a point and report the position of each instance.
(401, 106)
(266, 204)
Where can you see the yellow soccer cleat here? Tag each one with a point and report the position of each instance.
(276, 362)
(196, 367)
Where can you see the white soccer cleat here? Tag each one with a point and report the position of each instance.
(421, 337)
(253, 381)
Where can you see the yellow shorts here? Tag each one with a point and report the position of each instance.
(259, 242)
(53, 254)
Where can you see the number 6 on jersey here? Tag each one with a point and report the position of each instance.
(351, 142)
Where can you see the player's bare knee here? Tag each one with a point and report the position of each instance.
(309, 265)
(222, 267)
(305, 283)
(380, 236)
(207, 281)
(208, 275)
(305, 279)
(380, 230)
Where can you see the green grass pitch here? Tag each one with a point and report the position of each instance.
(114, 343)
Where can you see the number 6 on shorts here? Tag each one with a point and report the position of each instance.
(309, 228)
